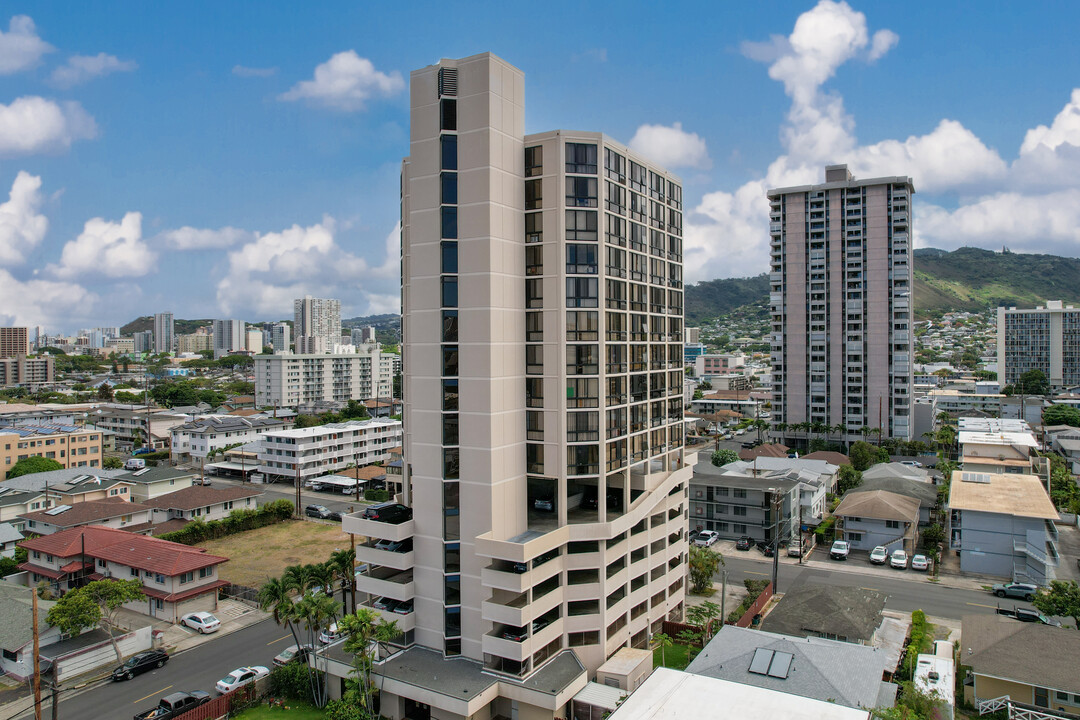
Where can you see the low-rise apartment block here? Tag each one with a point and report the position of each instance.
(198, 439)
(150, 428)
(326, 449)
(734, 501)
(288, 380)
(69, 445)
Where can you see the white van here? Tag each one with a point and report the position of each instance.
(134, 464)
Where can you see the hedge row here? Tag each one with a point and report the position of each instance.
(377, 495)
(922, 637)
(238, 521)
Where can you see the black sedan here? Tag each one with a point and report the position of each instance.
(744, 543)
(140, 663)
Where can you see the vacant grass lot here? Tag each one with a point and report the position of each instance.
(295, 711)
(259, 554)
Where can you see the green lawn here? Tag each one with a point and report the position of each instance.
(296, 711)
(674, 657)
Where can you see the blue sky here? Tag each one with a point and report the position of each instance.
(219, 159)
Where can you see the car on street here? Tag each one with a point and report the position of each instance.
(293, 652)
(911, 463)
(796, 549)
(920, 562)
(879, 555)
(388, 512)
(174, 705)
(840, 550)
(744, 543)
(1024, 591)
(140, 663)
(766, 548)
(317, 511)
(330, 634)
(241, 676)
(899, 559)
(1027, 615)
(706, 538)
(204, 622)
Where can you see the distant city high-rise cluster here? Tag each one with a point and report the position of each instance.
(317, 324)
(228, 337)
(841, 277)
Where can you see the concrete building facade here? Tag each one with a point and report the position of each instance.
(542, 345)
(326, 449)
(288, 380)
(228, 336)
(69, 445)
(164, 333)
(14, 341)
(317, 322)
(841, 279)
(22, 370)
(1044, 338)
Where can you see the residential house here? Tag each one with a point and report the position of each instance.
(878, 517)
(1003, 524)
(771, 450)
(69, 445)
(673, 695)
(1065, 440)
(828, 670)
(8, 537)
(205, 503)
(204, 437)
(848, 614)
(130, 425)
(16, 630)
(177, 579)
(925, 493)
(383, 407)
(897, 470)
(1029, 663)
(739, 401)
(14, 503)
(829, 456)
(734, 501)
(112, 513)
(151, 482)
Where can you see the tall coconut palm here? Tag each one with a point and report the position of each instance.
(343, 564)
(365, 634)
(275, 596)
(317, 612)
(320, 575)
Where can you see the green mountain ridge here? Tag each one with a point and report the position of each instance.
(966, 279)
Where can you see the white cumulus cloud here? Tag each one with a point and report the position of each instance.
(42, 302)
(1047, 223)
(20, 46)
(107, 249)
(190, 238)
(672, 146)
(345, 82)
(33, 124)
(22, 226)
(81, 68)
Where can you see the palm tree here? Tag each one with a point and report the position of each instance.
(276, 596)
(365, 631)
(343, 565)
(298, 577)
(317, 611)
(663, 642)
(321, 575)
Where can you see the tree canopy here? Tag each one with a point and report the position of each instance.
(1062, 599)
(1060, 414)
(723, 456)
(863, 455)
(1032, 382)
(31, 465)
(96, 603)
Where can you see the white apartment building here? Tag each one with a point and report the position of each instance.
(253, 340)
(542, 323)
(317, 322)
(841, 278)
(280, 337)
(196, 439)
(287, 380)
(164, 335)
(1044, 338)
(326, 449)
(228, 336)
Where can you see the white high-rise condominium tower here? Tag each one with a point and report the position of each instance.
(279, 337)
(228, 336)
(164, 336)
(842, 347)
(542, 309)
(317, 324)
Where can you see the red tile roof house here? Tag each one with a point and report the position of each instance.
(177, 579)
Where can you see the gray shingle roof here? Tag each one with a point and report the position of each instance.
(828, 670)
(925, 493)
(1029, 653)
(16, 619)
(36, 482)
(846, 612)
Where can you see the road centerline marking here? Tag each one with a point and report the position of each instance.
(751, 572)
(136, 702)
(273, 642)
(993, 607)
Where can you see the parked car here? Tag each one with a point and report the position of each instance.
(388, 512)
(920, 562)
(293, 652)
(765, 547)
(898, 559)
(134, 464)
(204, 622)
(911, 463)
(520, 568)
(544, 504)
(796, 549)
(241, 676)
(403, 608)
(1026, 615)
(385, 603)
(744, 543)
(516, 634)
(706, 538)
(391, 545)
(840, 550)
(140, 663)
(879, 555)
(330, 634)
(174, 705)
(1025, 591)
(317, 511)
(142, 451)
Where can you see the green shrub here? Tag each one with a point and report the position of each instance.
(922, 638)
(377, 495)
(291, 681)
(754, 588)
(344, 710)
(238, 520)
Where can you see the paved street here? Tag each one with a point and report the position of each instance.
(196, 669)
(280, 491)
(905, 593)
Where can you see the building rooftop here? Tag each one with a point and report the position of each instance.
(672, 695)
(769, 450)
(879, 505)
(845, 612)
(226, 423)
(1008, 494)
(84, 513)
(36, 482)
(139, 551)
(828, 670)
(16, 615)
(833, 458)
(707, 473)
(993, 425)
(924, 492)
(1030, 653)
(156, 474)
(1023, 439)
(317, 430)
(196, 496)
(895, 469)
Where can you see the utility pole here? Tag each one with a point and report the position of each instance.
(296, 510)
(723, 596)
(352, 580)
(778, 504)
(37, 654)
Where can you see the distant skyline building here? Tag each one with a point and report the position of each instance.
(280, 337)
(144, 341)
(253, 340)
(228, 336)
(317, 324)
(841, 280)
(14, 341)
(1045, 338)
(164, 332)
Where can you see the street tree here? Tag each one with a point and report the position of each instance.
(96, 603)
(1062, 599)
(723, 456)
(366, 634)
(703, 565)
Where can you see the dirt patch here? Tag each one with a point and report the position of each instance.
(257, 555)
